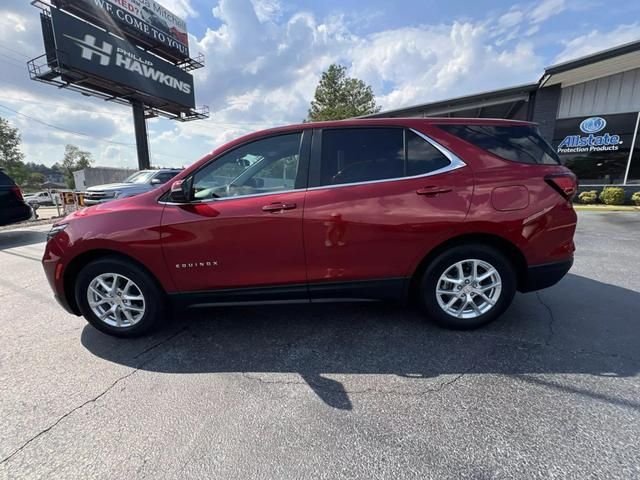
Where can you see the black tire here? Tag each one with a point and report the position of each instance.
(154, 297)
(428, 284)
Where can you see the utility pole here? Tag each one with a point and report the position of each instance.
(142, 141)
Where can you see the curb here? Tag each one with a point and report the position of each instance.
(29, 223)
(606, 208)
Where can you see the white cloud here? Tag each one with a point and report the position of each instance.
(433, 63)
(547, 9)
(271, 81)
(595, 41)
(510, 19)
(267, 9)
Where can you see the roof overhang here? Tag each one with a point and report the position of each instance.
(601, 64)
(510, 95)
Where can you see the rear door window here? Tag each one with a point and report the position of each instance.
(517, 143)
(352, 155)
(355, 155)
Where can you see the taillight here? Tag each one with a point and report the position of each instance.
(565, 184)
(18, 193)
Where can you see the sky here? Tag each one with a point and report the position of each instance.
(264, 59)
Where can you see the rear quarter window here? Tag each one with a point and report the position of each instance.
(422, 157)
(5, 180)
(516, 143)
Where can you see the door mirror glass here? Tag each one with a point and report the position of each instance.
(180, 191)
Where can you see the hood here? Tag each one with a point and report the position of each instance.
(112, 186)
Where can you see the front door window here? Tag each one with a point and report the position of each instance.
(265, 166)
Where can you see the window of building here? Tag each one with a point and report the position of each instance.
(599, 156)
(633, 176)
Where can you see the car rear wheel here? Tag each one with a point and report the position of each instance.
(467, 286)
(119, 298)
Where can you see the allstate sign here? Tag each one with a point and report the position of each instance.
(590, 142)
(593, 124)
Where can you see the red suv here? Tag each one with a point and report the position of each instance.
(456, 214)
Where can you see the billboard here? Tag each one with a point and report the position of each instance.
(146, 21)
(85, 48)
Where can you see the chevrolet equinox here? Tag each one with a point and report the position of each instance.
(453, 214)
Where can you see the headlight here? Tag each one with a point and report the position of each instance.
(56, 229)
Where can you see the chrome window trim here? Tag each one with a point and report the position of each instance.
(235, 197)
(455, 163)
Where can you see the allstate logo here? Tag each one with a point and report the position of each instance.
(593, 124)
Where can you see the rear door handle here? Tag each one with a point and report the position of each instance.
(432, 190)
(278, 207)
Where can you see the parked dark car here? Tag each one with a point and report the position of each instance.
(13, 208)
(454, 214)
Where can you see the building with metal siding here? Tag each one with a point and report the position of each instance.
(587, 108)
(618, 93)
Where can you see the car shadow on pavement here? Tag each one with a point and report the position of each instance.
(20, 238)
(580, 326)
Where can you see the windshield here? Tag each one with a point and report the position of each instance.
(140, 177)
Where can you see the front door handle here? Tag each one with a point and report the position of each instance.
(432, 190)
(278, 207)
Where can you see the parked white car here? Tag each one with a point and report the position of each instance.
(41, 198)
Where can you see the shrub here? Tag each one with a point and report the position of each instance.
(612, 196)
(635, 198)
(590, 196)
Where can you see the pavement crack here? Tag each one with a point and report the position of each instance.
(94, 399)
(552, 319)
(317, 386)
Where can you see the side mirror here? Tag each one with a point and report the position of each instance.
(155, 181)
(180, 191)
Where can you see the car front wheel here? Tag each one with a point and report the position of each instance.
(467, 286)
(119, 298)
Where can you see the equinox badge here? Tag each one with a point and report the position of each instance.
(211, 263)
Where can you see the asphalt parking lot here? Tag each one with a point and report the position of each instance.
(552, 390)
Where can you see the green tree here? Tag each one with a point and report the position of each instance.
(338, 96)
(34, 180)
(74, 159)
(11, 157)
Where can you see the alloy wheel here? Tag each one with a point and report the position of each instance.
(468, 288)
(116, 300)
